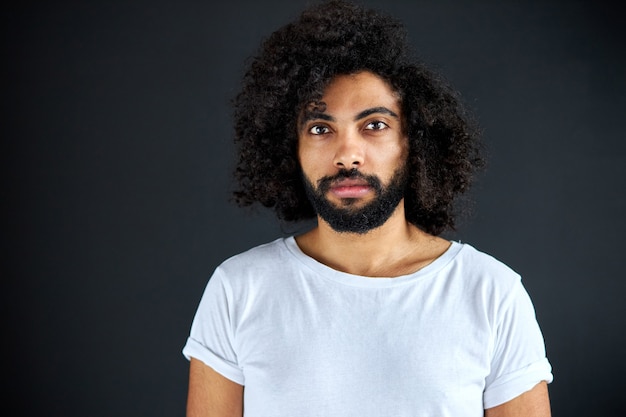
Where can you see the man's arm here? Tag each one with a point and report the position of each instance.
(533, 403)
(211, 394)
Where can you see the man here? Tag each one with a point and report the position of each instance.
(370, 313)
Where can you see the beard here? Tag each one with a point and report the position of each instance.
(360, 220)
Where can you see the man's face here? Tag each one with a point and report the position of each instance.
(353, 153)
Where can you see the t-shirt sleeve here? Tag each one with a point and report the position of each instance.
(519, 358)
(211, 337)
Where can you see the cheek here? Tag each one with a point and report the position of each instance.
(310, 158)
(392, 154)
(301, 155)
(306, 163)
(403, 151)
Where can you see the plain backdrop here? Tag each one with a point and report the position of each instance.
(117, 161)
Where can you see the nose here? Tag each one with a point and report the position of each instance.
(350, 152)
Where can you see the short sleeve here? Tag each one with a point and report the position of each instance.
(211, 337)
(519, 360)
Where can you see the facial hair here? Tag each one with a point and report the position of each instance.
(349, 219)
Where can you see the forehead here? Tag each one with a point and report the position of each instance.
(359, 90)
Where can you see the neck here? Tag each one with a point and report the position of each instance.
(395, 248)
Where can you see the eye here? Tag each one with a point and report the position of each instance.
(319, 130)
(376, 125)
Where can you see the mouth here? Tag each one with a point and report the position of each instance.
(350, 188)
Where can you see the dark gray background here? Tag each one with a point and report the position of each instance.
(117, 160)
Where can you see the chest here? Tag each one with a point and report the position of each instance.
(398, 349)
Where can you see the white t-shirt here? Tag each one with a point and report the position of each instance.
(458, 336)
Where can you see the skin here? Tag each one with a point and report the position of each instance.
(360, 127)
(533, 403)
(212, 395)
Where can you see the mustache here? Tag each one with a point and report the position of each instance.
(324, 183)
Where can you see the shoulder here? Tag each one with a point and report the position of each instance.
(257, 261)
(482, 262)
(261, 253)
(480, 269)
(487, 286)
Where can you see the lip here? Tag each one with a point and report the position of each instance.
(350, 188)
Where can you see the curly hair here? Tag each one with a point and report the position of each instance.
(292, 69)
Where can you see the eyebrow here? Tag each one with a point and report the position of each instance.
(312, 115)
(373, 110)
